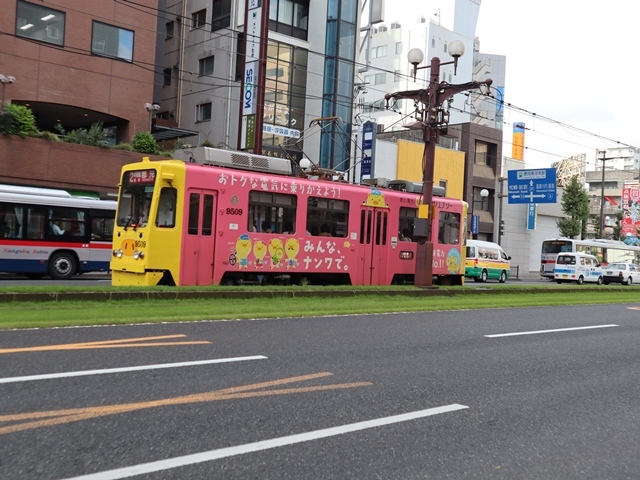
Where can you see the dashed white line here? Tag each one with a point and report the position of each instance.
(176, 462)
(535, 332)
(50, 376)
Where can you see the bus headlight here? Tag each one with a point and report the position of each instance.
(137, 255)
(117, 253)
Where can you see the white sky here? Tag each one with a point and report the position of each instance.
(572, 61)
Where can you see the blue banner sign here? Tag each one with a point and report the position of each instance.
(474, 224)
(532, 186)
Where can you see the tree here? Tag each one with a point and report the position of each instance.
(575, 205)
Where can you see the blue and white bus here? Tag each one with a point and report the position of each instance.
(51, 232)
(606, 251)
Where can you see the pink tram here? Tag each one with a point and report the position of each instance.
(184, 223)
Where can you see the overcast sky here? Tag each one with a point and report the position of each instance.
(572, 61)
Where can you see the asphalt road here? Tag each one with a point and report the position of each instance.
(400, 396)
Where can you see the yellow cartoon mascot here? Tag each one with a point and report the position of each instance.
(259, 251)
(243, 249)
(291, 249)
(276, 251)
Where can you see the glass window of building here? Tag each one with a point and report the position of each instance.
(398, 48)
(289, 17)
(198, 19)
(481, 154)
(40, 23)
(203, 112)
(205, 66)
(168, 33)
(166, 76)
(110, 41)
(340, 48)
(221, 14)
(286, 80)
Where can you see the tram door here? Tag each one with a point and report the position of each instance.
(199, 239)
(374, 224)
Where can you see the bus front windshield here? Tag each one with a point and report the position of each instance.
(135, 199)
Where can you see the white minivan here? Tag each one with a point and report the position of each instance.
(577, 267)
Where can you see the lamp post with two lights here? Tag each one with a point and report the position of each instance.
(433, 121)
(151, 107)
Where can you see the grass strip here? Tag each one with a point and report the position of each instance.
(79, 313)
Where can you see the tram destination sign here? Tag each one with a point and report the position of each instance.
(532, 186)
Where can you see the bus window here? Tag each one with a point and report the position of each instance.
(36, 222)
(325, 212)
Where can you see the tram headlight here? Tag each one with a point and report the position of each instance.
(137, 255)
(117, 253)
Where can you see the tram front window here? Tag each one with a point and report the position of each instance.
(136, 194)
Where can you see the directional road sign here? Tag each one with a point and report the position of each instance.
(532, 186)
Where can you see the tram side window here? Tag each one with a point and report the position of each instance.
(194, 213)
(327, 217)
(407, 221)
(272, 212)
(449, 228)
(166, 217)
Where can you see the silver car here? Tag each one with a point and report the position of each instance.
(624, 273)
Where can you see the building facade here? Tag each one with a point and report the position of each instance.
(77, 63)
(309, 75)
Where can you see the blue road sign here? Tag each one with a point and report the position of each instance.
(531, 216)
(474, 224)
(532, 186)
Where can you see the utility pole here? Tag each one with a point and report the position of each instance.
(602, 156)
(434, 120)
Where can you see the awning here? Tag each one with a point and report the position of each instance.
(611, 200)
(162, 133)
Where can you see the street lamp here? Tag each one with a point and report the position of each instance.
(433, 121)
(5, 80)
(484, 193)
(151, 107)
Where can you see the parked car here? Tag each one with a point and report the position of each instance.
(624, 273)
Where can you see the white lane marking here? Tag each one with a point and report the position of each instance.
(549, 331)
(185, 460)
(49, 376)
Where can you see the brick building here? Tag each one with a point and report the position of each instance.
(76, 63)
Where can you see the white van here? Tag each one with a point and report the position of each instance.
(486, 260)
(577, 267)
